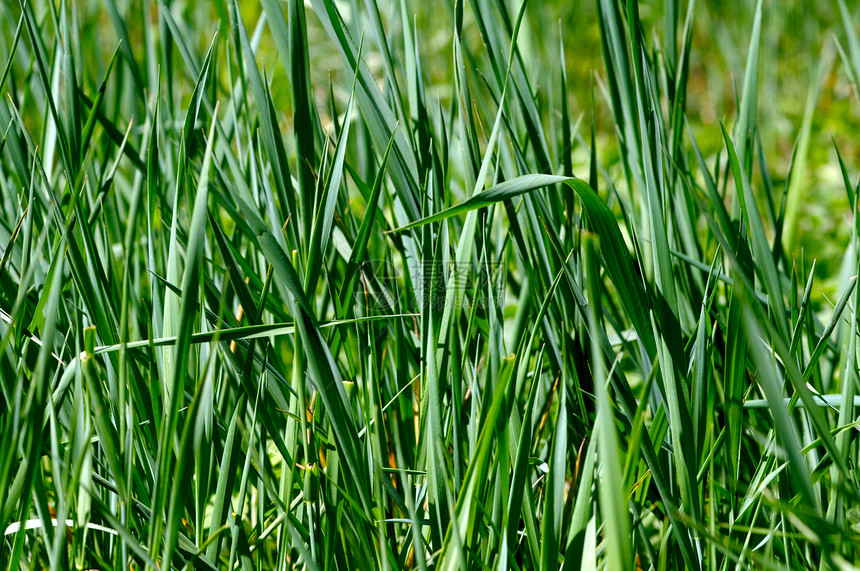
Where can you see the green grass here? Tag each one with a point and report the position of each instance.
(399, 285)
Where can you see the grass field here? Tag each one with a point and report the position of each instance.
(404, 285)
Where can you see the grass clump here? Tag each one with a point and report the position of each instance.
(259, 317)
